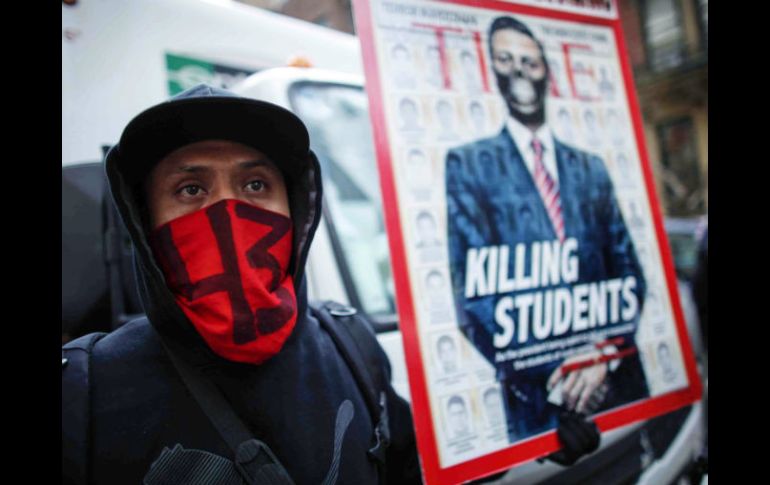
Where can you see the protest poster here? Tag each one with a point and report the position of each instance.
(531, 268)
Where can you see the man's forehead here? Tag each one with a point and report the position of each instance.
(211, 153)
(510, 39)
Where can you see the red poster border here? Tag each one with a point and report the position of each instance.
(548, 442)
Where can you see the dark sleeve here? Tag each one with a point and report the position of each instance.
(628, 382)
(461, 206)
(403, 464)
(468, 227)
(619, 252)
(75, 410)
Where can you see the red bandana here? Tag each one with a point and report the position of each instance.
(227, 266)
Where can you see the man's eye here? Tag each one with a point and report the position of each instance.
(256, 185)
(191, 190)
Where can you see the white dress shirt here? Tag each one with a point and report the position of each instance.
(522, 137)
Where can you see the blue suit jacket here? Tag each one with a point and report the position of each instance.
(492, 200)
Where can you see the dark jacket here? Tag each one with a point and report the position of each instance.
(139, 405)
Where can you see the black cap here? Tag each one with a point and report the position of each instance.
(205, 113)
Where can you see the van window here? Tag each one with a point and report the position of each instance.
(337, 119)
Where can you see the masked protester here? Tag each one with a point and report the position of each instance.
(533, 192)
(230, 378)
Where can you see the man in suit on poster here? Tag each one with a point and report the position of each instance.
(523, 187)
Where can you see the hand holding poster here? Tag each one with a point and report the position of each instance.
(531, 269)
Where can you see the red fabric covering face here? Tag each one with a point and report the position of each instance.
(227, 266)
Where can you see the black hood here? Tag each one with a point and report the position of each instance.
(198, 114)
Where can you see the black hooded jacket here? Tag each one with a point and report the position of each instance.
(138, 405)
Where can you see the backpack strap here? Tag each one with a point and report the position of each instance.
(76, 406)
(227, 423)
(253, 459)
(356, 341)
(254, 464)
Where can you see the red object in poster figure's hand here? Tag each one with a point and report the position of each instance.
(579, 382)
(581, 377)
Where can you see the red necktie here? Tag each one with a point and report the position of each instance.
(548, 189)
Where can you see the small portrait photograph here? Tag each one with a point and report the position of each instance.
(626, 173)
(418, 173)
(436, 294)
(493, 407)
(635, 218)
(447, 354)
(615, 128)
(445, 120)
(433, 74)
(565, 124)
(666, 363)
(402, 66)
(591, 129)
(458, 418)
(471, 73)
(408, 115)
(606, 85)
(436, 288)
(582, 76)
(478, 117)
(430, 246)
(427, 230)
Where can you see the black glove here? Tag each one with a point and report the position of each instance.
(578, 436)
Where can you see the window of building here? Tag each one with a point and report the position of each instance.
(337, 119)
(664, 33)
(683, 192)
